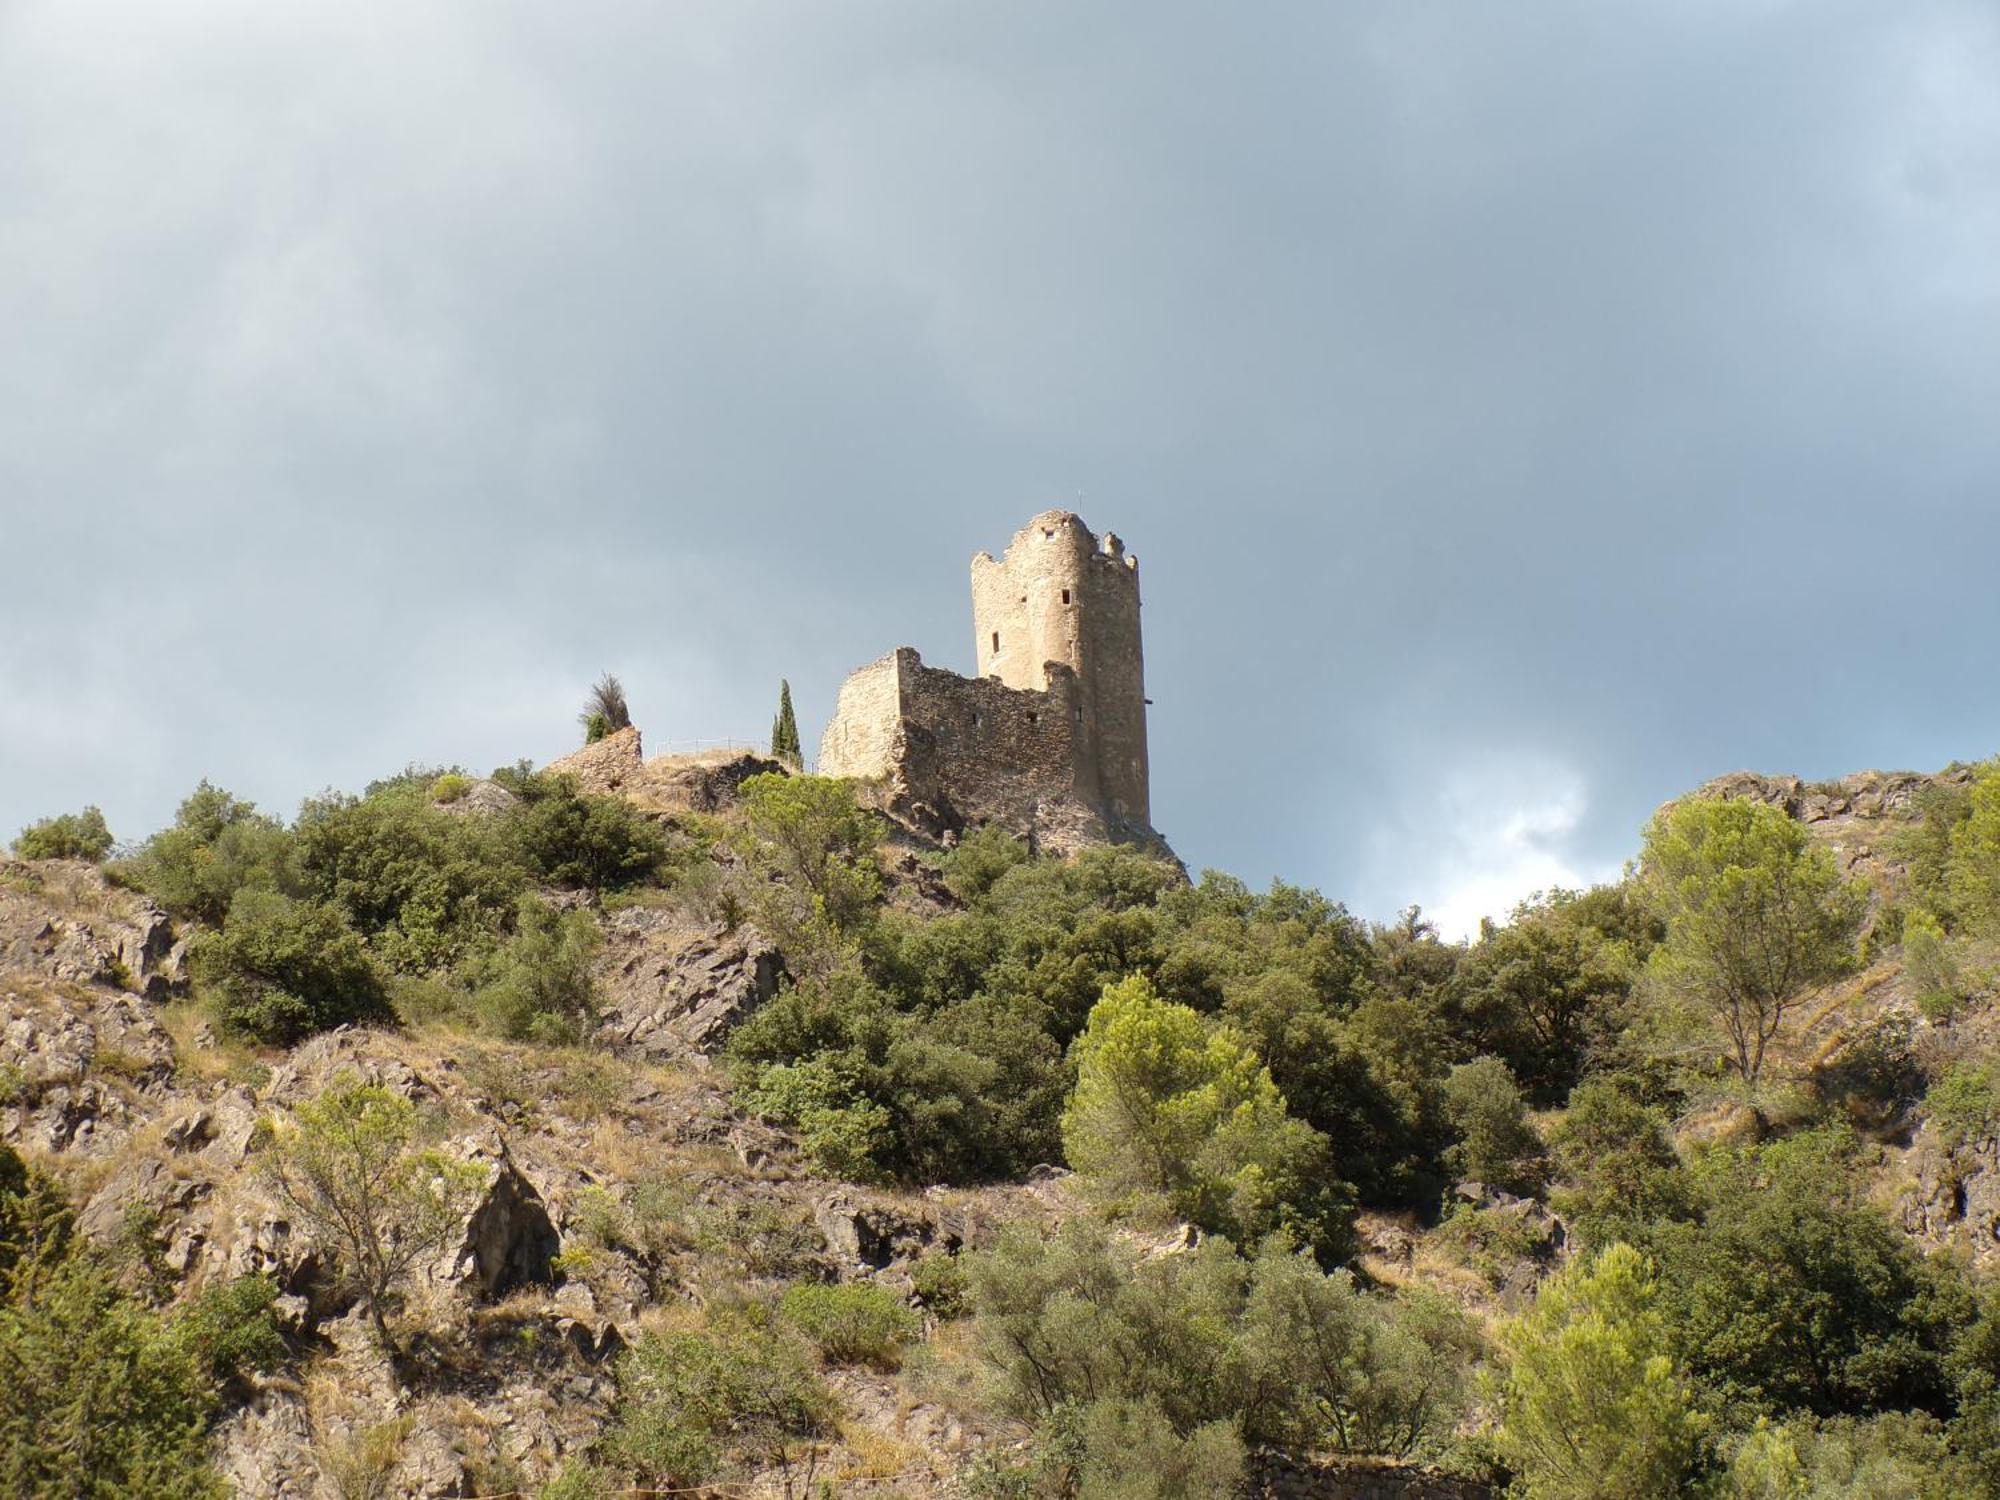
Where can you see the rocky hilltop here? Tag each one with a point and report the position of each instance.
(635, 1173)
(121, 1086)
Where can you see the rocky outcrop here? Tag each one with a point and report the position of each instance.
(509, 1241)
(702, 783)
(605, 768)
(61, 919)
(1852, 816)
(675, 986)
(481, 799)
(77, 1065)
(1955, 1200)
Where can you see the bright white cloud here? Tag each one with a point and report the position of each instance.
(1493, 832)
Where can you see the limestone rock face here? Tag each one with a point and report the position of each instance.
(61, 919)
(1956, 1200)
(265, 1447)
(700, 783)
(1851, 816)
(64, 1046)
(482, 799)
(674, 986)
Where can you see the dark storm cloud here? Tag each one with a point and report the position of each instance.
(1520, 413)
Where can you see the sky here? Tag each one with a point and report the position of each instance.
(1521, 413)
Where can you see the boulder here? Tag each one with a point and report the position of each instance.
(870, 1235)
(481, 799)
(702, 782)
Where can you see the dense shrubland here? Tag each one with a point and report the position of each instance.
(393, 903)
(1734, 1314)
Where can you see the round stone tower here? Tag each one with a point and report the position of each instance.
(1061, 595)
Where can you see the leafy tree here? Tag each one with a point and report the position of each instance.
(350, 1165)
(229, 1328)
(1330, 1367)
(1790, 1290)
(569, 838)
(1411, 961)
(99, 1398)
(815, 846)
(68, 836)
(1130, 1451)
(1890, 1456)
(1972, 868)
(218, 845)
(280, 969)
(426, 887)
(1549, 990)
(785, 729)
(1496, 1144)
(1929, 960)
(1756, 915)
(1070, 1319)
(1168, 1106)
(1593, 1406)
(742, 1394)
(983, 855)
(1975, 1371)
(1618, 1170)
(604, 710)
(36, 1224)
(1273, 1349)
(969, 1093)
(1964, 1106)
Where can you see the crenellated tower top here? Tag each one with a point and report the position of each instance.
(1060, 594)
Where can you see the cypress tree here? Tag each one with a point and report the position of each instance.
(785, 728)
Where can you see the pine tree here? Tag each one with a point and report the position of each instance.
(785, 728)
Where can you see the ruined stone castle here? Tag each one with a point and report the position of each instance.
(1049, 740)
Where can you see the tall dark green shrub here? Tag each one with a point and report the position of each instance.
(785, 729)
(281, 969)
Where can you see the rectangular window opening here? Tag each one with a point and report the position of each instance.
(996, 640)
(1065, 596)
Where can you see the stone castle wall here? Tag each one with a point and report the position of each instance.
(956, 751)
(1049, 740)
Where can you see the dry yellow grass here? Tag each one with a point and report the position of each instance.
(873, 1454)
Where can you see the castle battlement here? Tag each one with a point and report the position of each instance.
(1049, 739)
